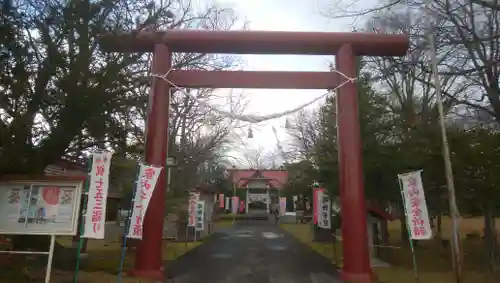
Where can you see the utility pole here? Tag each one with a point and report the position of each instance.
(454, 213)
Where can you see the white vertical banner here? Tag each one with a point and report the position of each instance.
(95, 214)
(193, 199)
(227, 203)
(325, 210)
(282, 205)
(295, 200)
(146, 182)
(235, 204)
(417, 216)
(200, 215)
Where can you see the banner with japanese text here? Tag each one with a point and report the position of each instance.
(316, 209)
(235, 204)
(324, 210)
(227, 203)
(415, 205)
(146, 182)
(193, 199)
(200, 215)
(221, 200)
(95, 215)
(282, 205)
(242, 206)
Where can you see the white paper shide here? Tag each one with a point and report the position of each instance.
(146, 182)
(95, 216)
(415, 206)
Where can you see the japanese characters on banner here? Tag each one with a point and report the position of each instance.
(324, 211)
(148, 176)
(234, 204)
(415, 205)
(282, 205)
(221, 200)
(316, 204)
(200, 215)
(193, 199)
(95, 216)
(242, 206)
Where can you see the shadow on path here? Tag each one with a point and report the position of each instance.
(252, 252)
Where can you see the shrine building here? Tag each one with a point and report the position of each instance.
(261, 188)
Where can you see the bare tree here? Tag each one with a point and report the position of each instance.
(304, 132)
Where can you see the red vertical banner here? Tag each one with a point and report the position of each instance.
(242, 206)
(221, 200)
(315, 204)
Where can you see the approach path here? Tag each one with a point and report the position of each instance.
(252, 252)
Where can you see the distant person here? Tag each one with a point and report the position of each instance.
(277, 214)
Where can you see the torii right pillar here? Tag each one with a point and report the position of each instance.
(356, 268)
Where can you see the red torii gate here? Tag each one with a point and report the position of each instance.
(346, 46)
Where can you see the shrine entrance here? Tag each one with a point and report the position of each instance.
(257, 202)
(345, 46)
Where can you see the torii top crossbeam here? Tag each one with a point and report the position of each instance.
(258, 42)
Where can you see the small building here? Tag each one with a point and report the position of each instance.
(261, 187)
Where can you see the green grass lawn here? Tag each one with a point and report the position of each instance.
(432, 260)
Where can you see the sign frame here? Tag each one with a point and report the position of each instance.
(75, 183)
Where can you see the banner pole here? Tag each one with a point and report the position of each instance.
(413, 254)
(127, 227)
(82, 219)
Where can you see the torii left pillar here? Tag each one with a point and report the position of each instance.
(150, 266)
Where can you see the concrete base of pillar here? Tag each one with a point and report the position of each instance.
(358, 277)
(158, 274)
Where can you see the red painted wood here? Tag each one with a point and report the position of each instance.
(148, 261)
(356, 263)
(254, 79)
(258, 42)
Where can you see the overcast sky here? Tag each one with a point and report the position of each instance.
(283, 15)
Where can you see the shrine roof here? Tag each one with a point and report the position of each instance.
(257, 42)
(275, 178)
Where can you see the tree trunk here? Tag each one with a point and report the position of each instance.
(490, 239)
(439, 227)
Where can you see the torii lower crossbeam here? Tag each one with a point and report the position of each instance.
(253, 79)
(346, 46)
